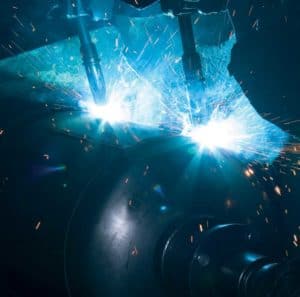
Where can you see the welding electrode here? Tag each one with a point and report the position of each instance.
(91, 62)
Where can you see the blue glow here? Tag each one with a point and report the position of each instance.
(45, 170)
(238, 129)
(130, 99)
(153, 93)
(158, 189)
(250, 257)
(141, 61)
(223, 134)
(163, 208)
(112, 112)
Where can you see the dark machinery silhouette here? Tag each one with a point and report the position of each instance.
(161, 231)
(155, 218)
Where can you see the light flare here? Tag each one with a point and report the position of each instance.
(112, 112)
(225, 134)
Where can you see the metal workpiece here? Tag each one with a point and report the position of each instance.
(228, 262)
(144, 231)
(130, 213)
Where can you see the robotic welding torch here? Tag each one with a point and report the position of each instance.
(192, 65)
(91, 60)
(191, 59)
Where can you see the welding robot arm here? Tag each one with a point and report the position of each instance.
(266, 43)
(190, 59)
(246, 16)
(82, 13)
(267, 53)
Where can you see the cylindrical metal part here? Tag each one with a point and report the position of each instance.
(231, 269)
(191, 59)
(91, 62)
(192, 68)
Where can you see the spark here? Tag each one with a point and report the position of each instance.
(39, 171)
(46, 156)
(37, 226)
(229, 203)
(134, 251)
(201, 229)
(32, 27)
(249, 172)
(277, 190)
